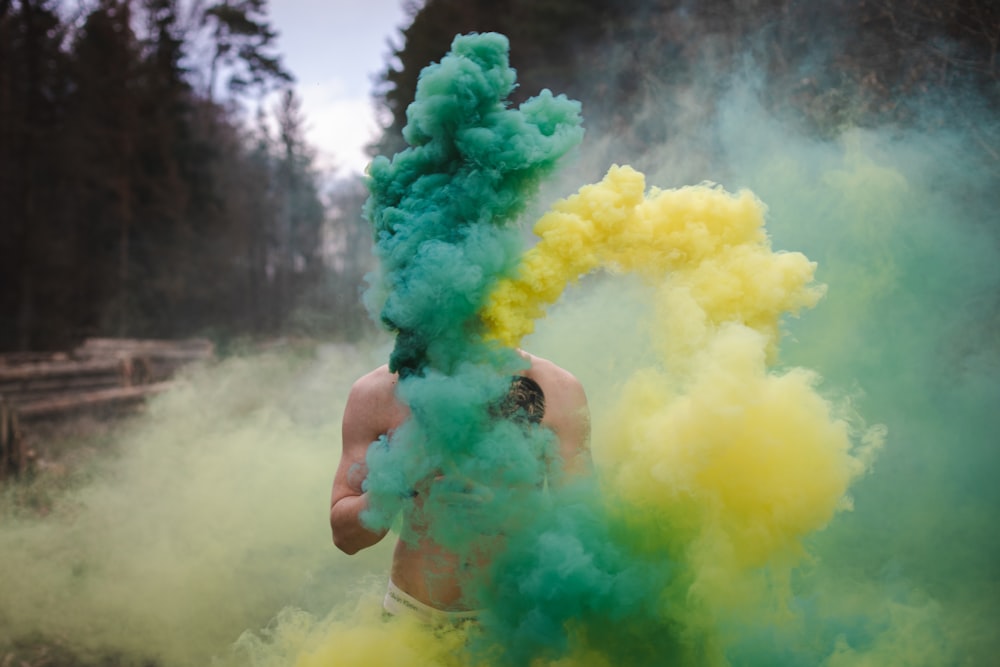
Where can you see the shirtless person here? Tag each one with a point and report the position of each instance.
(425, 578)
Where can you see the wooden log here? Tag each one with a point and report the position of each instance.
(29, 382)
(103, 376)
(105, 399)
(57, 385)
(189, 348)
(153, 360)
(17, 358)
(52, 383)
(23, 372)
(22, 397)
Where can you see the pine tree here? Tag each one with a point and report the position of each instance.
(33, 246)
(243, 43)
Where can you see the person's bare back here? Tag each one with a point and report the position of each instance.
(421, 568)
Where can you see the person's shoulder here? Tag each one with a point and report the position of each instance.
(566, 409)
(374, 388)
(551, 376)
(372, 402)
(377, 379)
(542, 367)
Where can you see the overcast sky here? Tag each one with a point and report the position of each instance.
(334, 48)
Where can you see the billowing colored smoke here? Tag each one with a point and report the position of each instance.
(716, 467)
(443, 213)
(901, 228)
(442, 210)
(708, 420)
(710, 243)
(729, 522)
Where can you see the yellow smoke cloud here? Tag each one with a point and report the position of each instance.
(356, 634)
(353, 634)
(709, 242)
(718, 457)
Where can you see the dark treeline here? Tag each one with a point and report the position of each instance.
(135, 197)
(828, 63)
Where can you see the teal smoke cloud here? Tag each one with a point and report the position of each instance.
(442, 209)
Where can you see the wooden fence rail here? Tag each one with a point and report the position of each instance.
(102, 376)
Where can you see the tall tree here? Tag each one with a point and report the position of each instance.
(243, 43)
(103, 138)
(168, 177)
(33, 86)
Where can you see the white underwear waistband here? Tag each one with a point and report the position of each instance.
(400, 603)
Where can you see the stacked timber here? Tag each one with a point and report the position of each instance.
(102, 376)
(150, 360)
(15, 358)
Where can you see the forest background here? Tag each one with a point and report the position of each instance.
(150, 185)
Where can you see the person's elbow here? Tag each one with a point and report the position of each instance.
(351, 541)
(342, 538)
(349, 547)
(349, 535)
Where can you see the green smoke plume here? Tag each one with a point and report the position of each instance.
(442, 209)
(443, 213)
